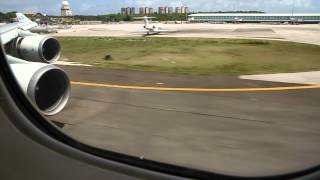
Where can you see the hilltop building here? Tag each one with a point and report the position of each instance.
(65, 9)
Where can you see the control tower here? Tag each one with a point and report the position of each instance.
(65, 9)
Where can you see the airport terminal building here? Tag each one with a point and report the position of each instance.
(255, 17)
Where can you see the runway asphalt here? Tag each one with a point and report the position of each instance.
(239, 133)
(306, 33)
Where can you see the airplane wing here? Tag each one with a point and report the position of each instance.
(145, 17)
(8, 32)
(142, 31)
(155, 32)
(165, 31)
(29, 56)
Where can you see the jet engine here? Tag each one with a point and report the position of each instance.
(47, 86)
(36, 48)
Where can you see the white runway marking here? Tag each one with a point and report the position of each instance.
(310, 78)
(69, 63)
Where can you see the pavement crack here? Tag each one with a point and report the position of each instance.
(176, 110)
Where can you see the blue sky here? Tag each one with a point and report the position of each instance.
(111, 6)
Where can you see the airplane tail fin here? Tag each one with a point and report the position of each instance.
(146, 21)
(22, 18)
(24, 22)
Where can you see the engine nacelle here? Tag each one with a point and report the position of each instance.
(47, 86)
(37, 48)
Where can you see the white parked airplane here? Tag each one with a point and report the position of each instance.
(151, 29)
(36, 29)
(30, 56)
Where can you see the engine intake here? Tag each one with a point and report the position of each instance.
(47, 86)
(49, 89)
(36, 48)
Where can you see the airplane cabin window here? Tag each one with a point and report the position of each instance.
(226, 87)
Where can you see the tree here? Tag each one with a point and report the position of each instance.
(7, 17)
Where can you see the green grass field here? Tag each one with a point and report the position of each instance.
(193, 56)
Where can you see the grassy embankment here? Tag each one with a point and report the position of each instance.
(193, 56)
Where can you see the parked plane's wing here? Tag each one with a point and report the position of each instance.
(9, 32)
(24, 22)
(145, 17)
(141, 31)
(166, 31)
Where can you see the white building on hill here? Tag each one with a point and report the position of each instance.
(65, 9)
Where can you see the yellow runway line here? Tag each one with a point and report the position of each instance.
(195, 89)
